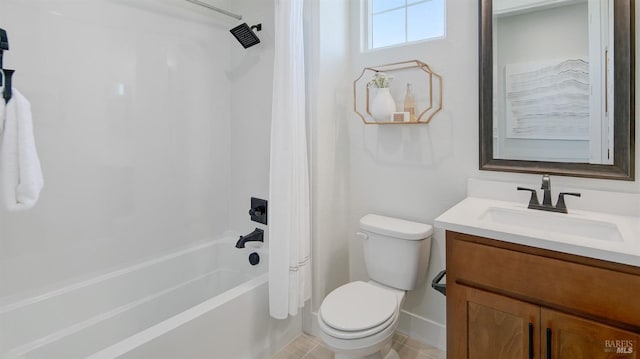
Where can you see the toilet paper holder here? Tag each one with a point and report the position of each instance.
(440, 287)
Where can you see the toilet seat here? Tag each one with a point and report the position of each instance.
(355, 335)
(358, 310)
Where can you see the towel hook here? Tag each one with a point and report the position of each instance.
(4, 40)
(7, 93)
(8, 74)
(4, 45)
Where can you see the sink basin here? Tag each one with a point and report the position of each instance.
(559, 224)
(600, 225)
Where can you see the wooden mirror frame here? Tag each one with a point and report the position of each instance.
(624, 104)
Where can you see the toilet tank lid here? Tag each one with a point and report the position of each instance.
(394, 227)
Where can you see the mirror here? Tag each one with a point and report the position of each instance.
(556, 86)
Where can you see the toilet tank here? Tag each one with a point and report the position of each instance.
(396, 251)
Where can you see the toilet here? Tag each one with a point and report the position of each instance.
(358, 319)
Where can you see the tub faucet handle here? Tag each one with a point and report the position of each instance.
(257, 211)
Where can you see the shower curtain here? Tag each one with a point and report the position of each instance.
(289, 227)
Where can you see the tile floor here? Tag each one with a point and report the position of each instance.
(308, 347)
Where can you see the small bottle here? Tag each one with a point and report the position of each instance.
(409, 103)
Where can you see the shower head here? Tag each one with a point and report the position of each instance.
(245, 35)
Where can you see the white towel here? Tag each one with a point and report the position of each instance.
(20, 172)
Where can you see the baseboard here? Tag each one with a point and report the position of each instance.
(415, 326)
(312, 325)
(309, 319)
(423, 330)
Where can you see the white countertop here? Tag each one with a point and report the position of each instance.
(470, 217)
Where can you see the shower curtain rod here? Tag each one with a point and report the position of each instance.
(222, 11)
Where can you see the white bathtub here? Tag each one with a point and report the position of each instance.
(205, 301)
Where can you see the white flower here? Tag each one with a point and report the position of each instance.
(380, 80)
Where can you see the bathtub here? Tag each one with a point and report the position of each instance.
(204, 301)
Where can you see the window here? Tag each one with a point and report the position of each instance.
(393, 22)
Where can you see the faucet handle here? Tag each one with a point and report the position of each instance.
(533, 201)
(561, 206)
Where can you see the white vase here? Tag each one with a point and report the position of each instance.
(383, 105)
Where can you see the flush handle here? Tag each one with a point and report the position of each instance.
(362, 236)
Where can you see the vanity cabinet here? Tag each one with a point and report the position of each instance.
(508, 301)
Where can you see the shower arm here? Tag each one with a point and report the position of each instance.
(217, 9)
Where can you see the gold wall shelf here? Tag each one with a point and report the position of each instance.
(427, 86)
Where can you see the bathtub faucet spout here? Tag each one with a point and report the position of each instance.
(256, 236)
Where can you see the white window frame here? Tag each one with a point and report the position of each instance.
(368, 20)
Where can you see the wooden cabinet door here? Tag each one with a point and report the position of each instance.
(576, 338)
(499, 327)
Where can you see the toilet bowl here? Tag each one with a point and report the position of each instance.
(358, 319)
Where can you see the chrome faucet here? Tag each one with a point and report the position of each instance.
(547, 205)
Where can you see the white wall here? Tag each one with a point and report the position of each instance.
(132, 110)
(251, 75)
(327, 51)
(414, 172)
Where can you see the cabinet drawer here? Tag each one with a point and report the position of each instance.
(599, 293)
